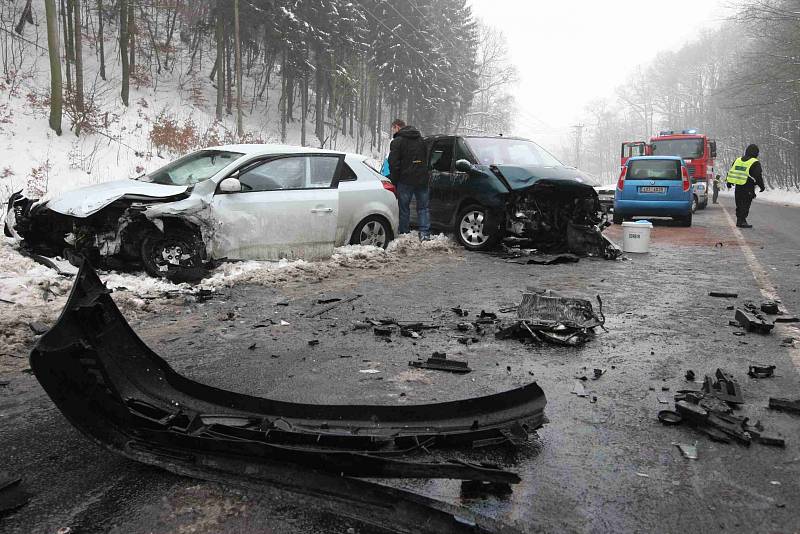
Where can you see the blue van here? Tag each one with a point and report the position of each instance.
(654, 186)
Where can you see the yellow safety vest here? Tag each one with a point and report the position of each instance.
(740, 171)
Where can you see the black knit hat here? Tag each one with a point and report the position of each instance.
(751, 151)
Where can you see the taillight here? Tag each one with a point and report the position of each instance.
(622, 174)
(687, 184)
(389, 186)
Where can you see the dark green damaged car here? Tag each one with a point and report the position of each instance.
(487, 189)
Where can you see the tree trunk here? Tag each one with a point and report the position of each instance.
(319, 104)
(132, 34)
(220, 58)
(65, 29)
(170, 33)
(79, 104)
(304, 106)
(237, 43)
(55, 65)
(284, 99)
(228, 75)
(100, 39)
(124, 38)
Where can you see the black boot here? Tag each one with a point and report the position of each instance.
(744, 224)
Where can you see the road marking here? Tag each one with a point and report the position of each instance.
(768, 290)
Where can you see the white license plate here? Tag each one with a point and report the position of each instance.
(652, 189)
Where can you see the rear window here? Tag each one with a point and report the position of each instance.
(654, 169)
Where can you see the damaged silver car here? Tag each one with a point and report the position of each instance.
(236, 202)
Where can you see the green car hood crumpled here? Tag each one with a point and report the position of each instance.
(520, 178)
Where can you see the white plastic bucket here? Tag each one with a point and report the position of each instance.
(636, 236)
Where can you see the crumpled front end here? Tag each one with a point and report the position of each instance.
(557, 216)
(110, 237)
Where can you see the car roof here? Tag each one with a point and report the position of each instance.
(673, 158)
(266, 149)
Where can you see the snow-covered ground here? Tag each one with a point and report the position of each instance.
(773, 196)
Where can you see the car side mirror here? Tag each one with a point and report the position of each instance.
(463, 165)
(230, 185)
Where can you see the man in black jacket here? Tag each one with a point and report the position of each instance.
(745, 174)
(408, 171)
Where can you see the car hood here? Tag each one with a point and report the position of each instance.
(521, 178)
(91, 199)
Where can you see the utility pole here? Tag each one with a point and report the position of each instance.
(578, 141)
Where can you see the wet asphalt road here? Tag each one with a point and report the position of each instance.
(607, 466)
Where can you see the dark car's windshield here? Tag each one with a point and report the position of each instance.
(498, 151)
(654, 169)
(192, 168)
(684, 148)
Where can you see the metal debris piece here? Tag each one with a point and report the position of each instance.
(690, 375)
(688, 451)
(751, 320)
(461, 312)
(439, 362)
(770, 307)
(668, 417)
(334, 305)
(787, 319)
(723, 294)
(725, 387)
(385, 331)
(761, 371)
(598, 373)
(12, 493)
(117, 391)
(785, 405)
(579, 390)
(38, 328)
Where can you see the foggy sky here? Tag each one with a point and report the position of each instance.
(569, 52)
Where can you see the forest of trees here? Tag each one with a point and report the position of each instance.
(739, 84)
(344, 66)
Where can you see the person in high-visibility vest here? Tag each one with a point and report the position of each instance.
(745, 174)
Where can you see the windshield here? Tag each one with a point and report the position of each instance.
(496, 151)
(192, 168)
(684, 148)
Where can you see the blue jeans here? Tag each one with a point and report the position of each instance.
(423, 196)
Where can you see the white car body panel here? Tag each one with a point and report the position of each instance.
(91, 199)
(272, 225)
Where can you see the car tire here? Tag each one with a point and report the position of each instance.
(175, 255)
(471, 231)
(703, 206)
(685, 221)
(374, 231)
(618, 219)
(695, 203)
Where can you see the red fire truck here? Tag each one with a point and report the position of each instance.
(696, 149)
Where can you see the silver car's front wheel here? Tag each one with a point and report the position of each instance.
(373, 231)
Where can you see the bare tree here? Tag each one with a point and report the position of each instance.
(124, 39)
(238, 68)
(79, 104)
(56, 96)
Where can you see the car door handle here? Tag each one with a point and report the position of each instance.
(322, 210)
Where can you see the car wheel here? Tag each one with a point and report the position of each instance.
(472, 229)
(703, 206)
(685, 221)
(175, 255)
(695, 203)
(618, 219)
(374, 231)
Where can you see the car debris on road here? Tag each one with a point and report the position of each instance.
(116, 390)
(440, 362)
